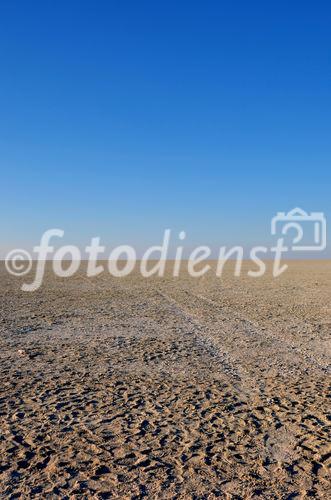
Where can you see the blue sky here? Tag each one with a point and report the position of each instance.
(121, 119)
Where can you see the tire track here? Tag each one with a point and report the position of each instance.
(253, 329)
(207, 339)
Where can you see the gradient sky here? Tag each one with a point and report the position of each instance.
(121, 119)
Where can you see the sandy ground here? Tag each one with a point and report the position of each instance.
(166, 388)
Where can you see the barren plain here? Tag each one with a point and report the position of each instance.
(167, 388)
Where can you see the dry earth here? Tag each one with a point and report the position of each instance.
(166, 388)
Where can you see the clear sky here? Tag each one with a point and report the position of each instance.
(120, 119)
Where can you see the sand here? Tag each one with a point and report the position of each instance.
(166, 388)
